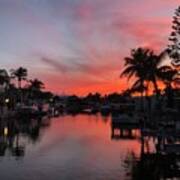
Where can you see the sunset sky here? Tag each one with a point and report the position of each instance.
(77, 46)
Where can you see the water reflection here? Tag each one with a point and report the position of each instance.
(151, 163)
(80, 147)
(124, 132)
(14, 131)
(153, 166)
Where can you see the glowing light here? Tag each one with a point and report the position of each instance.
(5, 131)
(7, 100)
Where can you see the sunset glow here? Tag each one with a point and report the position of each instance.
(78, 46)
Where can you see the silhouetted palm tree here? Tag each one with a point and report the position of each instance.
(139, 87)
(34, 88)
(154, 68)
(168, 75)
(36, 85)
(20, 74)
(136, 66)
(146, 67)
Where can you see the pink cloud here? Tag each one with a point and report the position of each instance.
(151, 33)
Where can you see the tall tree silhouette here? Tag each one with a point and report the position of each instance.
(36, 85)
(135, 66)
(20, 74)
(168, 75)
(174, 46)
(154, 69)
(146, 67)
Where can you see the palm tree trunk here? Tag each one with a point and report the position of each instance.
(155, 86)
(20, 91)
(19, 84)
(142, 103)
(148, 100)
(170, 96)
(158, 103)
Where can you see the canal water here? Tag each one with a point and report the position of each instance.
(68, 147)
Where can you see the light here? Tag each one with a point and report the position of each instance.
(7, 100)
(51, 100)
(5, 131)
